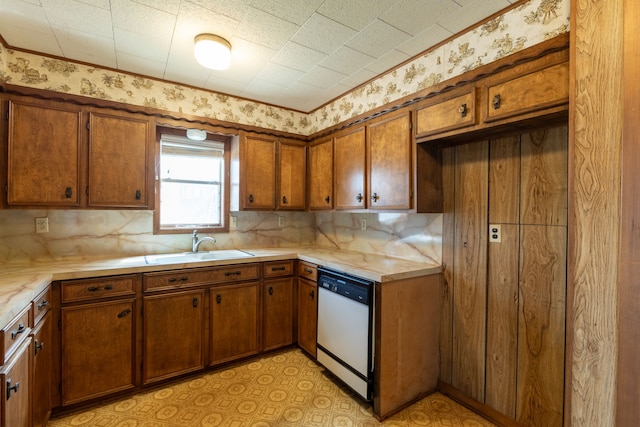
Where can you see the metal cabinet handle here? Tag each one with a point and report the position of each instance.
(250, 198)
(327, 199)
(232, 273)
(138, 194)
(15, 333)
(359, 197)
(463, 110)
(284, 200)
(496, 102)
(124, 313)
(312, 294)
(43, 304)
(278, 268)
(270, 290)
(375, 197)
(68, 192)
(195, 302)
(308, 270)
(218, 298)
(10, 388)
(37, 346)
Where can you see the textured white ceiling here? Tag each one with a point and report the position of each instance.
(297, 54)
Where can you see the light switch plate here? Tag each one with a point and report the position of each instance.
(495, 233)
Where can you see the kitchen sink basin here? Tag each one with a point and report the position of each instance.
(183, 257)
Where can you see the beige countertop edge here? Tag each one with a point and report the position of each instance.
(20, 283)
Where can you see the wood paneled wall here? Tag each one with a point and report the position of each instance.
(503, 335)
(595, 105)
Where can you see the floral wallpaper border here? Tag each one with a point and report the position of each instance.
(519, 28)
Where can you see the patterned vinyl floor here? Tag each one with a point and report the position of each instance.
(284, 389)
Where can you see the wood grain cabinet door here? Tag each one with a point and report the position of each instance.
(98, 349)
(120, 169)
(307, 315)
(234, 322)
(292, 174)
(42, 371)
(277, 328)
(15, 392)
(44, 154)
(321, 175)
(173, 334)
(390, 163)
(349, 170)
(257, 173)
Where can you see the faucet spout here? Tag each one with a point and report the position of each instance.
(196, 242)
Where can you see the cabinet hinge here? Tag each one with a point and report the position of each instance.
(410, 125)
(88, 125)
(59, 324)
(7, 116)
(86, 190)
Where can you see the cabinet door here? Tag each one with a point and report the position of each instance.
(173, 334)
(321, 175)
(292, 175)
(119, 161)
(103, 332)
(42, 375)
(278, 313)
(257, 173)
(307, 315)
(390, 163)
(234, 322)
(44, 154)
(349, 170)
(14, 395)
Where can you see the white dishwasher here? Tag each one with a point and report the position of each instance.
(345, 329)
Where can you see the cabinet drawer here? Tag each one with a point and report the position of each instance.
(536, 91)
(195, 277)
(443, 116)
(278, 268)
(14, 333)
(41, 305)
(104, 287)
(308, 271)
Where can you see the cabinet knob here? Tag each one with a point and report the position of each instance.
(375, 197)
(11, 388)
(463, 110)
(37, 346)
(312, 294)
(218, 298)
(270, 290)
(68, 192)
(359, 197)
(138, 194)
(496, 102)
(195, 302)
(250, 198)
(284, 200)
(327, 199)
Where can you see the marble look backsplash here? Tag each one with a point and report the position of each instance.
(94, 233)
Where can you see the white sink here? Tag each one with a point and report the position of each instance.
(184, 257)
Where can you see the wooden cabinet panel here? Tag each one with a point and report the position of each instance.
(177, 279)
(15, 392)
(390, 163)
(257, 173)
(321, 175)
(120, 160)
(308, 271)
(307, 315)
(104, 332)
(504, 180)
(13, 333)
(532, 92)
(445, 115)
(42, 371)
(469, 294)
(93, 289)
(277, 268)
(277, 328)
(544, 177)
(234, 322)
(349, 170)
(292, 175)
(173, 339)
(541, 331)
(44, 154)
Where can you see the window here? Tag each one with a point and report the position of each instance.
(193, 189)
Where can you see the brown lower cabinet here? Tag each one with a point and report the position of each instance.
(307, 315)
(98, 349)
(235, 322)
(278, 313)
(14, 393)
(173, 337)
(42, 371)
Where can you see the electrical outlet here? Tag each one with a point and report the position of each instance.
(42, 225)
(280, 221)
(233, 223)
(495, 233)
(363, 224)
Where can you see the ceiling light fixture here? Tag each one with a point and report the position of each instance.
(196, 134)
(212, 51)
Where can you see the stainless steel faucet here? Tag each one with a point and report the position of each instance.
(196, 242)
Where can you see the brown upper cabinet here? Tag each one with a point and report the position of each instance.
(270, 167)
(349, 169)
(321, 174)
(52, 162)
(455, 110)
(390, 162)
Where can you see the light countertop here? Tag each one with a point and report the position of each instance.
(21, 282)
